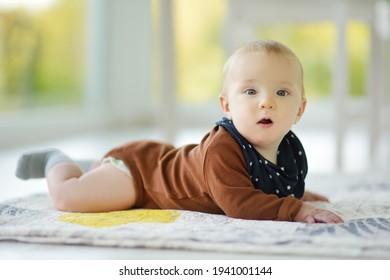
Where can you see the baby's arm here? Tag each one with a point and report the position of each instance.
(311, 196)
(311, 214)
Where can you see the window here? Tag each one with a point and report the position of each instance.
(318, 54)
(199, 50)
(74, 67)
(41, 53)
(200, 54)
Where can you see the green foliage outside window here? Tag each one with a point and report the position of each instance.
(42, 55)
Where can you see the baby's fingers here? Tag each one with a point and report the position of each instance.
(323, 216)
(309, 220)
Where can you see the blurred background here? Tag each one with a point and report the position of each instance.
(86, 75)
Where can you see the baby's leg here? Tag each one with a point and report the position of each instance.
(105, 188)
(36, 164)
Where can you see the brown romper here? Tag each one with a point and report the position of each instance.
(209, 177)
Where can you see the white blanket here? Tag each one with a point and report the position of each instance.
(365, 233)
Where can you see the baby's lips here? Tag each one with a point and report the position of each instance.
(265, 121)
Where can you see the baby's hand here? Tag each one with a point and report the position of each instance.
(310, 214)
(322, 216)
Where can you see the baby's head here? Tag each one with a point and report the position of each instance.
(263, 92)
(266, 47)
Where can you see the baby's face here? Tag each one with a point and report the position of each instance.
(263, 97)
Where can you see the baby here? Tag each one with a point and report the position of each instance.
(249, 166)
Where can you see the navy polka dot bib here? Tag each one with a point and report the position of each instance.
(285, 178)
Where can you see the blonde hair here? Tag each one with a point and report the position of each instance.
(265, 46)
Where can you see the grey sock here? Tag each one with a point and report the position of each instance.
(36, 165)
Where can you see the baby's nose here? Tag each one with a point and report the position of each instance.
(266, 102)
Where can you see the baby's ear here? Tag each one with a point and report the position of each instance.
(224, 102)
(301, 110)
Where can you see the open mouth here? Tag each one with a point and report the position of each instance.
(265, 121)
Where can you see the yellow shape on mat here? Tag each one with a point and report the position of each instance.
(117, 218)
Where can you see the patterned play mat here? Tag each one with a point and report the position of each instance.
(365, 234)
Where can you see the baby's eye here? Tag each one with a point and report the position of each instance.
(282, 92)
(250, 91)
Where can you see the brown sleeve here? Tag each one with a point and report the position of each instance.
(232, 190)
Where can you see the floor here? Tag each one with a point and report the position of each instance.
(319, 146)
(10, 250)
